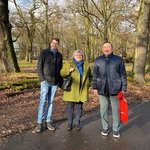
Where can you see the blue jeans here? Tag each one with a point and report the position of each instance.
(48, 92)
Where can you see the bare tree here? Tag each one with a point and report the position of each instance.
(46, 22)
(30, 27)
(110, 20)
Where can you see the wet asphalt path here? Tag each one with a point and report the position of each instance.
(134, 136)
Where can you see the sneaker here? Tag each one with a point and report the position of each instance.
(116, 135)
(50, 126)
(104, 132)
(38, 129)
(78, 128)
(69, 128)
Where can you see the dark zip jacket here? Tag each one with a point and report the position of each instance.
(109, 75)
(49, 66)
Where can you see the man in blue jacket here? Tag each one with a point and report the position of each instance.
(49, 66)
(109, 78)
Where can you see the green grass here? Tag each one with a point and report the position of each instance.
(20, 84)
(24, 64)
(28, 78)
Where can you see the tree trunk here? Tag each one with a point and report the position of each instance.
(148, 55)
(87, 34)
(75, 42)
(29, 53)
(46, 23)
(141, 42)
(87, 39)
(7, 54)
(92, 45)
(104, 3)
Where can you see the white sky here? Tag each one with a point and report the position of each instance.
(27, 3)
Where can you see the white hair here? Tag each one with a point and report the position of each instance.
(78, 51)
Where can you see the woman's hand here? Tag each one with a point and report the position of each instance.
(71, 69)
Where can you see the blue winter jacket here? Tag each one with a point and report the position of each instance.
(111, 72)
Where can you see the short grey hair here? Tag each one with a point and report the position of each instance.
(78, 51)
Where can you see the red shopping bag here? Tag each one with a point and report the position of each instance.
(123, 108)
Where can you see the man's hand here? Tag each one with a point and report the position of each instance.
(124, 97)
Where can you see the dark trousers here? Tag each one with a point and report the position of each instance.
(71, 107)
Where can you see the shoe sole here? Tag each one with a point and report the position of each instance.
(51, 129)
(38, 131)
(115, 136)
(104, 134)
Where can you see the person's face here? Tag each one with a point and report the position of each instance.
(107, 49)
(54, 44)
(78, 57)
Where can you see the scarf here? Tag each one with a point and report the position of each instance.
(54, 52)
(79, 66)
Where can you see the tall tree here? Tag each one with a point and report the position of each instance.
(148, 54)
(7, 54)
(142, 42)
(87, 33)
(46, 23)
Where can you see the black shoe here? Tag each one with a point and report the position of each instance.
(78, 128)
(105, 132)
(38, 129)
(116, 135)
(50, 126)
(69, 128)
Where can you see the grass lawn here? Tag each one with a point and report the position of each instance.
(28, 77)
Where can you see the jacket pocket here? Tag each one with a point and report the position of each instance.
(99, 84)
(116, 85)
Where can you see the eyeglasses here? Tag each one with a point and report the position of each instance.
(55, 43)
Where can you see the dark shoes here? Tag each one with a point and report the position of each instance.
(78, 128)
(38, 129)
(69, 128)
(50, 126)
(116, 135)
(105, 132)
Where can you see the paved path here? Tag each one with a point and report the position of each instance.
(134, 136)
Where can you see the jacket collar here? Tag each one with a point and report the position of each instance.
(109, 56)
(56, 52)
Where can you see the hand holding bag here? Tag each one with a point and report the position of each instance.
(66, 83)
(123, 108)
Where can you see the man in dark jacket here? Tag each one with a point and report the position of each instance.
(49, 66)
(109, 78)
